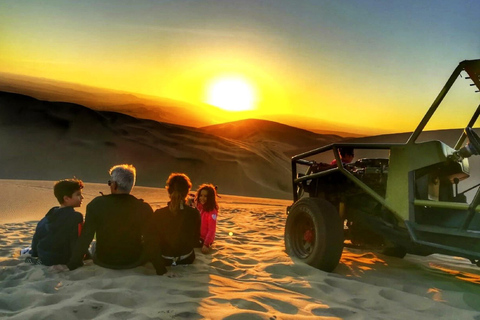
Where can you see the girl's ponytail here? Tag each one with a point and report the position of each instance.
(176, 200)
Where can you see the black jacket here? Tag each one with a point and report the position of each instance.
(119, 222)
(56, 234)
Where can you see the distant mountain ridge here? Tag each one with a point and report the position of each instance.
(153, 108)
(290, 140)
(147, 107)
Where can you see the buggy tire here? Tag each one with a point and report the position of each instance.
(314, 233)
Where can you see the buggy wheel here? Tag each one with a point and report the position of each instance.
(314, 233)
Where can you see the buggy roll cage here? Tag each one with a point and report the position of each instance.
(472, 68)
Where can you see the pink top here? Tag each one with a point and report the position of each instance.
(209, 225)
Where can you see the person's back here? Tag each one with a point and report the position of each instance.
(119, 221)
(56, 234)
(178, 232)
(175, 229)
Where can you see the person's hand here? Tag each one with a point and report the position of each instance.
(171, 274)
(59, 268)
(205, 249)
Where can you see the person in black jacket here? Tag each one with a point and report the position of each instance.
(56, 234)
(175, 229)
(119, 221)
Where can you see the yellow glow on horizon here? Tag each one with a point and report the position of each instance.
(231, 94)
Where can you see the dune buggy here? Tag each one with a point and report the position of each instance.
(406, 202)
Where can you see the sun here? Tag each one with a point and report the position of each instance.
(231, 93)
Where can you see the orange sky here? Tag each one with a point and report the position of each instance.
(372, 68)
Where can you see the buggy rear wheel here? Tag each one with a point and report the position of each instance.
(314, 233)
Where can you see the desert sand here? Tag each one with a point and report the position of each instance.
(248, 275)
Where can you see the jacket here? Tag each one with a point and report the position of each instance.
(119, 222)
(56, 234)
(208, 225)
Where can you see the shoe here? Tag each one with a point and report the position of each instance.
(25, 251)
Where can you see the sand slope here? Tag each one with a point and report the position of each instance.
(247, 276)
(289, 140)
(50, 141)
(155, 108)
(139, 106)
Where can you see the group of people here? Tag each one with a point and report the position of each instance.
(127, 232)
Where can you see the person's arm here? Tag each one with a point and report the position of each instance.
(76, 231)
(82, 243)
(147, 213)
(197, 229)
(152, 241)
(35, 240)
(152, 246)
(212, 228)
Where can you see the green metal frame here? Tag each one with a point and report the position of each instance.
(404, 159)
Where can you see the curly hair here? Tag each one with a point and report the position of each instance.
(178, 186)
(211, 196)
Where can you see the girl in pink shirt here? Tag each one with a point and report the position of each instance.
(206, 199)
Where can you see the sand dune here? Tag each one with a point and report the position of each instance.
(140, 106)
(247, 276)
(51, 141)
(156, 108)
(287, 139)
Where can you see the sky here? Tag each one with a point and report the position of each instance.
(367, 63)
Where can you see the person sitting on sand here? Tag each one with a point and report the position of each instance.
(175, 229)
(56, 234)
(206, 200)
(346, 155)
(119, 221)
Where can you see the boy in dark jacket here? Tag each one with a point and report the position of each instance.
(57, 232)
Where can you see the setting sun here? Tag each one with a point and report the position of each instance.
(232, 94)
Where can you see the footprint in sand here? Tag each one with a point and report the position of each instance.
(242, 304)
(334, 312)
(190, 293)
(120, 297)
(281, 306)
